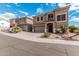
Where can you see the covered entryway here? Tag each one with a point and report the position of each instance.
(50, 27)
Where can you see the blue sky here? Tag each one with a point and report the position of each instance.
(12, 10)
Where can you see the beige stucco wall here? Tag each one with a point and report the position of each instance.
(12, 21)
(34, 20)
(29, 21)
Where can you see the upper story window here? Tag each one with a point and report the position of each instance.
(37, 18)
(61, 17)
(58, 17)
(41, 18)
(50, 16)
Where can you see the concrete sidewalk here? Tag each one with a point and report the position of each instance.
(36, 38)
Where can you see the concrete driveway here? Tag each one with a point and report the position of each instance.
(10, 46)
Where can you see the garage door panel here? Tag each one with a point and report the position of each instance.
(39, 29)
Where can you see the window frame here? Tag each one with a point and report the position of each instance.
(38, 19)
(62, 17)
(59, 19)
(41, 18)
(50, 15)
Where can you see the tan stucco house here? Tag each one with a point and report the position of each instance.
(23, 22)
(52, 21)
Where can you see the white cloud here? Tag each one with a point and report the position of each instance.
(39, 11)
(26, 13)
(73, 6)
(17, 4)
(8, 5)
(5, 18)
(31, 16)
(62, 4)
(47, 4)
(77, 11)
(52, 4)
(75, 19)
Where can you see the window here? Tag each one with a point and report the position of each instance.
(37, 18)
(58, 17)
(50, 16)
(41, 18)
(63, 17)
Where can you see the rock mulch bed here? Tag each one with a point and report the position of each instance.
(64, 36)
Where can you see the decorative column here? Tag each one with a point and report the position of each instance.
(54, 29)
(33, 29)
(67, 22)
(45, 30)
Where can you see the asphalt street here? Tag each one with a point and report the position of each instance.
(10, 46)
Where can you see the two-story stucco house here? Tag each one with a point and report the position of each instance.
(23, 22)
(51, 22)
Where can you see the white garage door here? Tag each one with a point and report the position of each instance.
(39, 29)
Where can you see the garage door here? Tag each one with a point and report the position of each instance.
(39, 29)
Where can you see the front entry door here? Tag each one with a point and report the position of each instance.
(50, 27)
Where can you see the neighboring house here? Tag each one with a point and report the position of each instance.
(51, 22)
(4, 25)
(25, 23)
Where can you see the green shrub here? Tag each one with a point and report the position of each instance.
(76, 31)
(18, 29)
(12, 30)
(72, 28)
(63, 30)
(46, 34)
(15, 30)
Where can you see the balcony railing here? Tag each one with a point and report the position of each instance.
(50, 19)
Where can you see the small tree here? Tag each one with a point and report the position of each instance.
(15, 30)
(18, 29)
